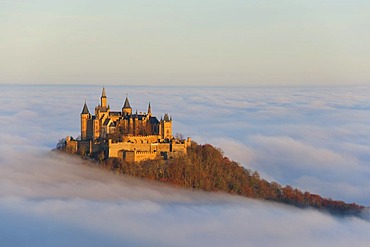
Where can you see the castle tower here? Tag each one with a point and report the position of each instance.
(85, 116)
(103, 99)
(165, 127)
(126, 109)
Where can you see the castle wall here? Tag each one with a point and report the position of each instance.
(141, 139)
(137, 156)
(84, 147)
(71, 146)
(179, 148)
(151, 149)
(115, 148)
(140, 156)
(89, 130)
(96, 147)
(128, 156)
(164, 147)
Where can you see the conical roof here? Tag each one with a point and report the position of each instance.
(127, 103)
(103, 94)
(149, 109)
(85, 110)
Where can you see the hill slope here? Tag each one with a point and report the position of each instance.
(206, 168)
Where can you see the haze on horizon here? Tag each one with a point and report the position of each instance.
(195, 42)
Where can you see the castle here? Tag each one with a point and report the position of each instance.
(125, 135)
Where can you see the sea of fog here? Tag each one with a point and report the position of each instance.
(315, 139)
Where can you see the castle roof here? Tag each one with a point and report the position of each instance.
(153, 120)
(103, 94)
(85, 110)
(149, 109)
(127, 103)
(166, 118)
(106, 122)
(139, 116)
(115, 113)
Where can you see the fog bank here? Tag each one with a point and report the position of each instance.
(314, 139)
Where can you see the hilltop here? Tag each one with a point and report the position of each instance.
(140, 145)
(205, 168)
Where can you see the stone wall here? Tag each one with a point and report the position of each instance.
(84, 147)
(114, 148)
(137, 156)
(146, 150)
(133, 149)
(141, 139)
(71, 146)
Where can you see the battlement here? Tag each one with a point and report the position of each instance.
(141, 139)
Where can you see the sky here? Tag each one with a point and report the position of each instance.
(177, 43)
(313, 138)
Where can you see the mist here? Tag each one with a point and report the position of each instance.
(311, 138)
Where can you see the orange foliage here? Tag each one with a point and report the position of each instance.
(205, 168)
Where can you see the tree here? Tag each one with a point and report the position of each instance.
(61, 144)
(179, 136)
(101, 156)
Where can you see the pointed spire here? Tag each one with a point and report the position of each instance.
(85, 110)
(103, 99)
(127, 103)
(149, 109)
(103, 94)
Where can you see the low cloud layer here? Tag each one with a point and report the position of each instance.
(52, 199)
(314, 139)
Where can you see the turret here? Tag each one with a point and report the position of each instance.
(167, 118)
(126, 109)
(85, 116)
(103, 99)
(165, 127)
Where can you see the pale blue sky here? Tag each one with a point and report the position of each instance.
(193, 42)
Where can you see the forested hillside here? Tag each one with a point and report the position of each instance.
(206, 168)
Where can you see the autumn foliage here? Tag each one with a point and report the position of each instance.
(206, 168)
